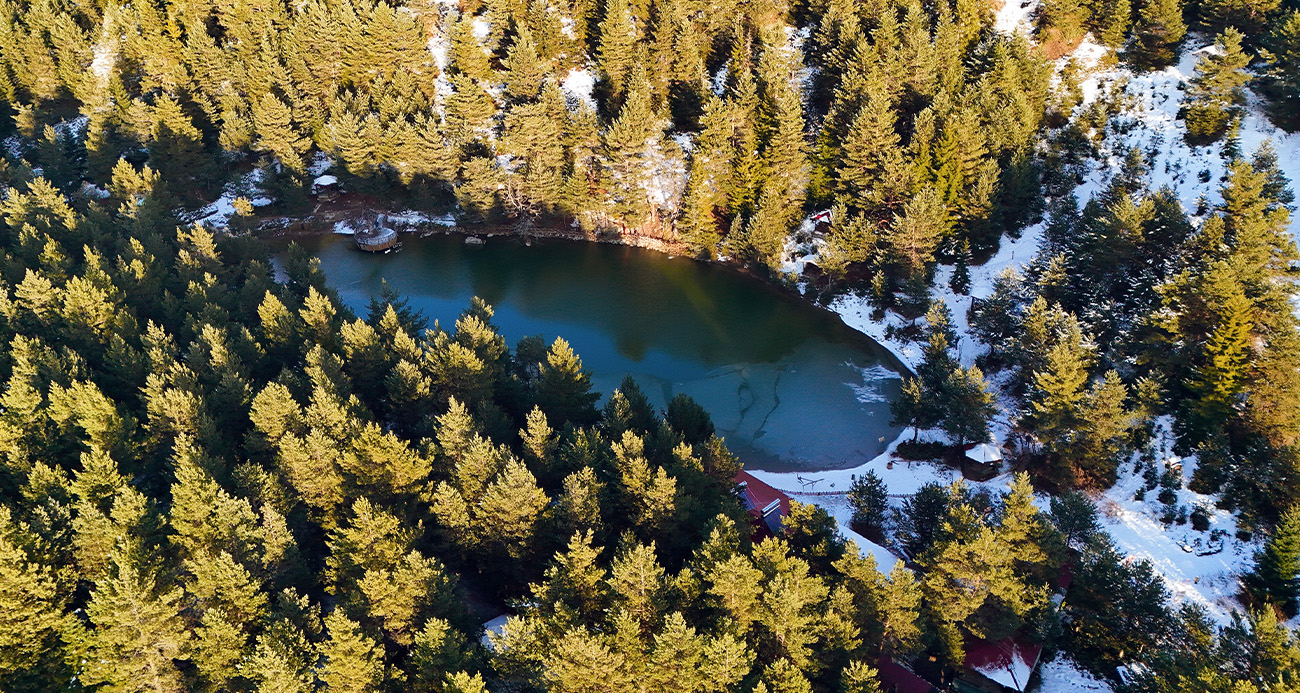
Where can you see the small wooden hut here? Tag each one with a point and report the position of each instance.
(325, 188)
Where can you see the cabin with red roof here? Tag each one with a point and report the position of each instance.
(998, 667)
(767, 506)
(896, 678)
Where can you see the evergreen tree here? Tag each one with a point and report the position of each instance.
(1283, 57)
(1105, 426)
(1217, 89)
(467, 55)
(968, 406)
(1112, 20)
(31, 617)
(524, 69)
(1276, 576)
(277, 134)
(1221, 376)
(628, 142)
(564, 388)
(1058, 395)
(137, 633)
(870, 170)
(1250, 17)
(350, 661)
(868, 496)
(617, 50)
(960, 281)
(917, 232)
(1160, 30)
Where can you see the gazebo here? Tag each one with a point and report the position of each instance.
(982, 461)
(325, 187)
(984, 453)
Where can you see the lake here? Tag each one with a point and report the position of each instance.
(789, 385)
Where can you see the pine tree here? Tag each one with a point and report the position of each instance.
(137, 633)
(968, 406)
(1217, 89)
(860, 678)
(1221, 376)
(1105, 427)
(219, 647)
(1276, 576)
(869, 167)
(469, 109)
(868, 496)
(467, 54)
(960, 281)
(277, 134)
(525, 70)
(1113, 19)
(564, 388)
(176, 150)
(579, 662)
(900, 606)
(627, 141)
(917, 232)
(30, 616)
(1283, 57)
(350, 661)
(786, 149)
(765, 234)
(1251, 17)
(782, 676)
(1255, 226)
(1160, 30)
(710, 173)
(617, 51)
(1058, 393)
(746, 174)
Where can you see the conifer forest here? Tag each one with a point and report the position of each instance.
(217, 475)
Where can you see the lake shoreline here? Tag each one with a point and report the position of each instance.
(632, 240)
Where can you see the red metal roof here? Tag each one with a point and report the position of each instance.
(895, 678)
(767, 505)
(1009, 661)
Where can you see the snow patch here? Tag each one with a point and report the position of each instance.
(1198, 567)
(1062, 675)
(481, 29)
(218, 213)
(577, 87)
(1016, 16)
(416, 219)
(720, 80)
(320, 163)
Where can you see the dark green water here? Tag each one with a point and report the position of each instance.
(788, 385)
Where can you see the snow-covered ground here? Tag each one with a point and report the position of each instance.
(1063, 676)
(1150, 124)
(577, 87)
(218, 213)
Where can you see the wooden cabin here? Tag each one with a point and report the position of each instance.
(767, 506)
